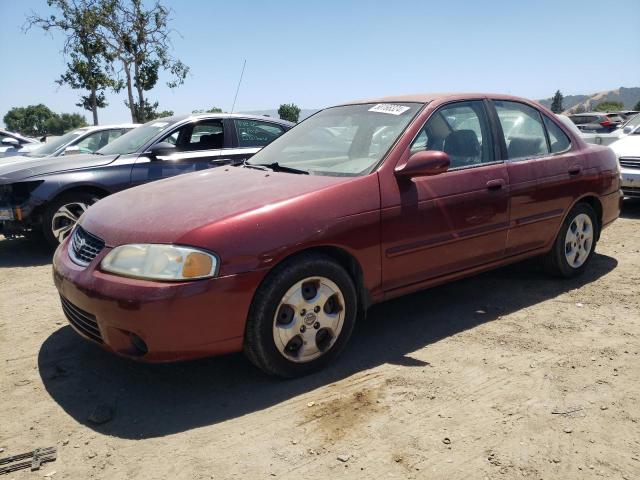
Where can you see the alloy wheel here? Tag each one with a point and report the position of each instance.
(65, 218)
(309, 319)
(578, 240)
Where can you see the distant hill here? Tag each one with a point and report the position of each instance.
(304, 113)
(628, 96)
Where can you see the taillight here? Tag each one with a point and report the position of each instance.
(606, 123)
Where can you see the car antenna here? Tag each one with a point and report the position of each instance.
(238, 89)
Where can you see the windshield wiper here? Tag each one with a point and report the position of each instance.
(276, 167)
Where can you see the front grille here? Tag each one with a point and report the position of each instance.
(83, 321)
(84, 246)
(630, 162)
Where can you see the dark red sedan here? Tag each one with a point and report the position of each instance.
(358, 204)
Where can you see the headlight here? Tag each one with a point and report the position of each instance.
(160, 262)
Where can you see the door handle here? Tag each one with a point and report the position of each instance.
(494, 185)
(575, 170)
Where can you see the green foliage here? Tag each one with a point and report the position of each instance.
(556, 103)
(579, 109)
(65, 122)
(30, 121)
(150, 111)
(211, 110)
(89, 63)
(39, 120)
(608, 107)
(289, 111)
(637, 106)
(140, 39)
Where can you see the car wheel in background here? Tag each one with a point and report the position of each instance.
(62, 214)
(301, 317)
(575, 244)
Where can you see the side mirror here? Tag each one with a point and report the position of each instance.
(72, 150)
(161, 149)
(10, 142)
(424, 164)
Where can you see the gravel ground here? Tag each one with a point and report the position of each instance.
(509, 374)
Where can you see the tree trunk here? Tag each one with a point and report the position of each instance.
(94, 105)
(141, 112)
(132, 105)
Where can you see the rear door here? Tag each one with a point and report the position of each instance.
(540, 166)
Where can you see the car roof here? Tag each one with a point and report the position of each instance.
(429, 97)
(205, 116)
(91, 128)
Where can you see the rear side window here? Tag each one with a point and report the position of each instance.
(254, 133)
(523, 130)
(557, 138)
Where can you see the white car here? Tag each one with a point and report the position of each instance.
(587, 137)
(16, 144)
(627, 149)
(81, 140)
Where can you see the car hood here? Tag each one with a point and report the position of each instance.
(628, 146)
(167, 210)
(18, 168)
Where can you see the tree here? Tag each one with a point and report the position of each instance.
(30, 121)
(637, 106)
(64, 122)
(140, 39)
(579, 109)
(608, 106)
(556, 103)
(89, 63)
(289, 111)
(211, 110)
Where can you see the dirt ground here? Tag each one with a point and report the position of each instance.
(509, 374)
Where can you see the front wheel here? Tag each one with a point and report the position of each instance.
(301, 317)
(62, 214)
(575, 244)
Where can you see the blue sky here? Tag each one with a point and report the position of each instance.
(318, 53)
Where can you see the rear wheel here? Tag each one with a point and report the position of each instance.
(575, 243)
(301, 317)
(62, 214)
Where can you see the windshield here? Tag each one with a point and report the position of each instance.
(131, 141)
(50, 147)
(347, 141)
(633, 121)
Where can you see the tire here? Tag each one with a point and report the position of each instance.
(569, 258)
(76, 203)
(325, 327)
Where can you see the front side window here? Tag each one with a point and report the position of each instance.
(462, 131)
(133, 140)
(524, 134)
(53, 145)
(557, 138)
(254, 133)
(205, 135)
(349, 140)
(93, 142)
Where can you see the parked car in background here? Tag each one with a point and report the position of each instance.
(81, 140)
(630, 127)
(627, 114)
(16, 144)
(597, 121)
(48, 195)
(627, 149)
(359, 203)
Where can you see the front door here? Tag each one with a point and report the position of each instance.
(453, 221)
(198, 147)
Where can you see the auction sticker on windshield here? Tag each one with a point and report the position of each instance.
(389, 108)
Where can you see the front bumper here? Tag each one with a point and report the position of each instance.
(176, 321)
(630, 181)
